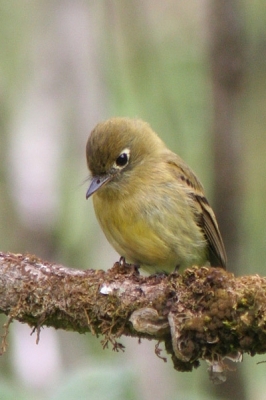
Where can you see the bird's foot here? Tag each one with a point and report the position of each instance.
(176, 271)
(125, 267)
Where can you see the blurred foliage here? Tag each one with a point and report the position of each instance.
(140, 59)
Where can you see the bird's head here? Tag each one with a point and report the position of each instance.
(116, 147)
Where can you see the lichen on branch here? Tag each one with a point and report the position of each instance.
(206, 313)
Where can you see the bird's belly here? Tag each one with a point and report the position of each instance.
(156, 244)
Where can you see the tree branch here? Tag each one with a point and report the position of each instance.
(206, 313)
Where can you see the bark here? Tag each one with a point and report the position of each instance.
(206, 313)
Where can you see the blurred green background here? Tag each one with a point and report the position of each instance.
(67, 65)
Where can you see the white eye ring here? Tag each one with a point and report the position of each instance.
(123, 159)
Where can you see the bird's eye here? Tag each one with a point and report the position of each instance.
(123, 159)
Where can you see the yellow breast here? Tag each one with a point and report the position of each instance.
(151, 230)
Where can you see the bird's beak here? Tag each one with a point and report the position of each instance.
(96, 183)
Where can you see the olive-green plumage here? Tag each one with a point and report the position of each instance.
(149, 203)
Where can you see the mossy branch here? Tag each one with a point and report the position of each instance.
(206, 313)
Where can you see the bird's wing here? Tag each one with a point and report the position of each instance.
(211, 231)
(205, 215)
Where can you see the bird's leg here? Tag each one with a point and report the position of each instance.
(176, 269)
(129, 267)
(122, 261)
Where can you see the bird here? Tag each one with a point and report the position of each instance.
(148, 202)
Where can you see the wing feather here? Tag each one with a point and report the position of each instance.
(211, 231)
(204, 213)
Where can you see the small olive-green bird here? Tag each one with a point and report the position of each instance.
(150, 205)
